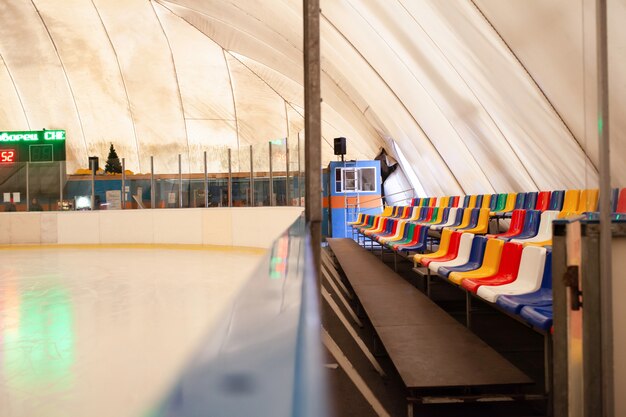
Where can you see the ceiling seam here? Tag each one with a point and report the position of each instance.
(339, 88)
(399, 102)
(119, 67)
(17, 93)
(444, 56)
(536, 84)
(67, 80)
(180, 95)
(232, 93)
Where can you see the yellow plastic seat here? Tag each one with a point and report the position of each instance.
(472, 201)
(486, 201)
(439, 215)
(359, 219)
(489, 267)
(387, 211)
(467, 214)
(415, 214)
(482, 226)
(379, 225)
(542, 243)
(443, 202)
(588, 200)
(570, 204)
(444, 245)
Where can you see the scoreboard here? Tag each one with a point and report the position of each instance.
(32, 146)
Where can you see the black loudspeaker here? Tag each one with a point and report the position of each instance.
(94, 163)
(340, 146)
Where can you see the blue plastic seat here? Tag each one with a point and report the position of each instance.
(473, 220)
(493, 202)
(530, 201)
(479, 201)
(519, 204)
(556, 200)
(444, 217)
(466, 200)
(420, 246)
(475, 259)
(459, 217)
(540, 298)
(531, 226)
(538, 317)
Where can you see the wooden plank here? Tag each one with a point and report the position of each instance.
(428, 347)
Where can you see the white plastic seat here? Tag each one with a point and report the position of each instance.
(451, 218)
(415, 214)
(528, 278)
(462, 256)
(545, 228)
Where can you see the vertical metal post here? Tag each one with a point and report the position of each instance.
(180, 181)
(230, 179)
(152, 190)
(27, 186)
(93, 184)
(313, 126)
(251, 179)
(271, 188)
(605, 209)
(287, 189)
(61, 181)
(206, 182)
(123, 183)
(299, 174)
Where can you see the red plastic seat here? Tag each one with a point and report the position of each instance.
(543, 200)
(516, 227)
(453, 250)
(621, 201)
(507, 271)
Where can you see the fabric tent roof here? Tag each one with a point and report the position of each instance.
(479, 96)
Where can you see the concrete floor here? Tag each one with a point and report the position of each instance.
(105, 331)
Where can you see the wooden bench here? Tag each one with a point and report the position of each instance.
(428, 347)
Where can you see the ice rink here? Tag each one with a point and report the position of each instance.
(105, 331)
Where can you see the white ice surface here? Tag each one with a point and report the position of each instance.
(104, 332)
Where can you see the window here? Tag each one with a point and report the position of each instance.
(355, 180)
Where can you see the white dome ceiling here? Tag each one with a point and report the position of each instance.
(481, 96)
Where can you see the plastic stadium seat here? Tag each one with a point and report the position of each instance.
(614, 196)
(471, 203)
(475, 260)
(516, 226)
(493, 202)
(383, 223)
(482, 225)
(466, 201)
(376, 227)
(479, 201)
(530, 201)
(444, 245)
(621, 201)
(425, 202)
(570, 203)
(531, 226)
(415, 202)
(556, 200)
(488, 267)
(443, 202)
(519, 204)
(539, 317)
(465, 221)
(450, 254)
(509, 204)
(359, 220)
(544, 233)
(588, 201)
(454, 201)
(507, 271)
(500, 203)
(442, 216)
(415, 241)
(543, 201)
(486, 203)
(542, 297)
(432, 202)
(528, 277)
(390, 230)
(454, 215)
(473, 220)
(462, 254)
(407, 235)
(414, 215)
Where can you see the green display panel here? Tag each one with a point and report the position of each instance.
(32, 146)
